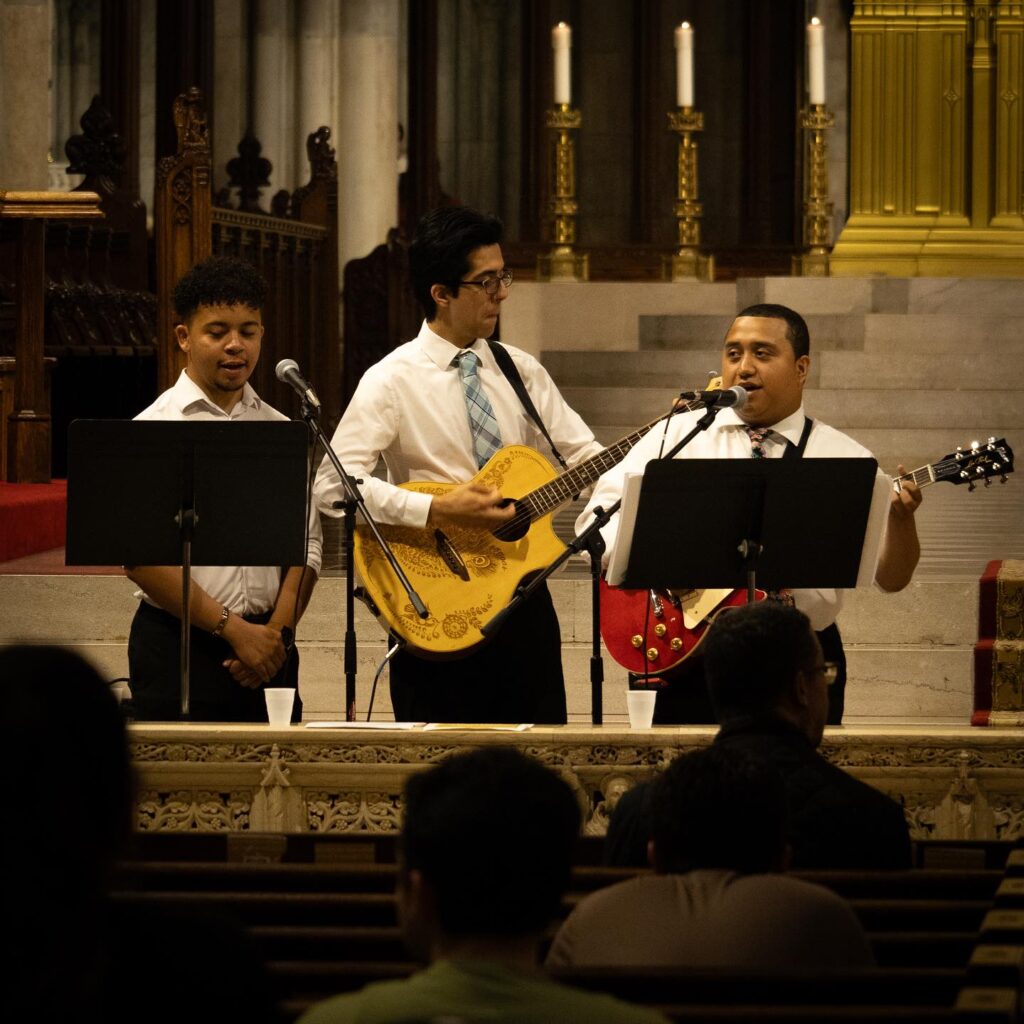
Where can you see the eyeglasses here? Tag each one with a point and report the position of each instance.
(829, 671)
(491, 285)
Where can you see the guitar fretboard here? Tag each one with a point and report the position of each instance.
(565, 487)
(922, 476)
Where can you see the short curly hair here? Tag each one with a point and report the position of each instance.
(219, 281)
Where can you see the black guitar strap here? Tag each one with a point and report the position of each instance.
(796, 451)
(508, 368)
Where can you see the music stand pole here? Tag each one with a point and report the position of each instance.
(354, 501)
(595, 547)
(186, 519)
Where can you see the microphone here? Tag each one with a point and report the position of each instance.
(734, 396)
(287, 372)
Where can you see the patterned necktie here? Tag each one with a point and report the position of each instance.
(757, 438)
(483, 427)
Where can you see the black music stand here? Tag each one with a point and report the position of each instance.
(776, 523)
(144, 492)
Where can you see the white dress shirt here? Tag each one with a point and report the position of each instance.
(727, 438)
(409, 410)
(247, 589)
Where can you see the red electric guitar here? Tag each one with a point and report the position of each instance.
(650, 632)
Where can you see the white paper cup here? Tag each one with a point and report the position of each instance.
(279, 704)
(640, 704)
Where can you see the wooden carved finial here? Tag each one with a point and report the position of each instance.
(99, 152)
(248, 171)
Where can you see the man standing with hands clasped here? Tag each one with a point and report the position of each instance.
(243, 617)
(767, 352)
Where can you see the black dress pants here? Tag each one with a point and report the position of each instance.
(514, 677)
(154, 657)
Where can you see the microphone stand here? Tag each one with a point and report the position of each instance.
(591, 541)
(750, 548)
(353, 502)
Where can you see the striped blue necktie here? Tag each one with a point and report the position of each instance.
(483, 427)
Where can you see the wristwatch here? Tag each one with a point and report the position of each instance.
(288, 637)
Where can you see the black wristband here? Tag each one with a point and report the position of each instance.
(288, 637)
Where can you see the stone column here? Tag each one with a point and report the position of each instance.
(316, 60)
(230, 116)
(367, 136)
(273, 95)
(24, 93)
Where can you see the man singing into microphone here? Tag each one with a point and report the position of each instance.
(243, 617)
(766, 352)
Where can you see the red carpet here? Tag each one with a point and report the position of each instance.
(33, 517)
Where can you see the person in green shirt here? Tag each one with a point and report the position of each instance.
(485, 857)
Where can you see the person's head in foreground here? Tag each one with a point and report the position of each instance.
(486, 851)
(718, 809)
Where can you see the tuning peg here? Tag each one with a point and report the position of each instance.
(959, 454)
(1002, 478)
(988, 482)
(975, 446)
(971, 486)
(991, 442)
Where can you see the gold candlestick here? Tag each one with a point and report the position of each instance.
(688, 263)
(813, 262)
(563, 263)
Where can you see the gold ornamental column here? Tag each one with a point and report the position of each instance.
(936, 165)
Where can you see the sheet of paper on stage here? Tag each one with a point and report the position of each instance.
(476, 727)
(618, 557)
(363, 725)
(875, 531)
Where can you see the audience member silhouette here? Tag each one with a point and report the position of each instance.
(717, 899)
(485, 855)
(75, 953)
(768, 685)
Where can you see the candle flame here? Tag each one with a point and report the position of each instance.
(685, 24)
(815, 21)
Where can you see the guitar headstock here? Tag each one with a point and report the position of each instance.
(982, 460)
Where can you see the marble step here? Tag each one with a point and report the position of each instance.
(970, 412)
(944, 333)
(688, 369)
(887, 332)
(909, 653)
(991, 296)
(602, 314)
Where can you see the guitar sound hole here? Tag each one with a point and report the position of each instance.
(516, 527)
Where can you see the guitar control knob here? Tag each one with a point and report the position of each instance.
(637, 641)
(676, 643)
(652, 653)
(660, 629)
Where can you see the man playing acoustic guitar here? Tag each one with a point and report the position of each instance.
(437, 409)
(766, 352)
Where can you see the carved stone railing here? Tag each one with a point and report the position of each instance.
(953, 783)
(295, 247)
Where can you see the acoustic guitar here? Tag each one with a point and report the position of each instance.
(650, 632)
(466, 575)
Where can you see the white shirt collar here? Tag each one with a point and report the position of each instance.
(440, 351)
(187, 394)
(791, 428)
